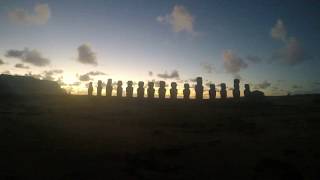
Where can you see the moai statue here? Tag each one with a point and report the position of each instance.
(247, 91)
(140, 90)
(199, 88)
(223, 91)
(150, 90)
(212, 91)
(90, 89)
(173, 90)
(119, 89)
(109, 88)
(129, 89)
(99, 88)
(162, 90)
(186, 91)
(236, 88)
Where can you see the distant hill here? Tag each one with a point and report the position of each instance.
(24, 85)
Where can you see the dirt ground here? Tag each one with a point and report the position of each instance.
(78, 137)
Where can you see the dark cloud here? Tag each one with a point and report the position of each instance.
(49, 75)
(296, 87)
(1, 62)
(36, 76)
(86, 55)
(33, 57)
(150, 73)
(263, 85)
(208, 68)
(174, 75)
(253, 59)
(232, 63)
(22, 66)
(86, 77)
(6, 72)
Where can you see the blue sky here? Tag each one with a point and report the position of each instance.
(126, 39)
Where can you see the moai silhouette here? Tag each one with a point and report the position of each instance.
(199, 88)
(150, 90)
(90, 89)
(223, 91)
(129, 89)
(236, 89)
(119, 89)
(162, 90)
(186, 91)
(212, 91)
(109, 88)
(173, 90)
(247, 91)
(99, 88)
(140, 90)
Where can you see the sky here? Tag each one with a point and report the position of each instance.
(271, 45)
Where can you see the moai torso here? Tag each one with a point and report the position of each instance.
(109, 88)
(247, 91)
(199, 88)
(150, 90)
(162, 90)
(236, 88)
(140, 90)
(212, 91)
(223, 91)
(129, 89)
(90, 89)
(186, 91)
(99, 88)
(173, 90)
(119, 89)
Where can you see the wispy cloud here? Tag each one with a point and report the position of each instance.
(87, 76)
(232, 63)
(253, 59)
(86, 55)
(22, 66)
(40, 15)
(1, 62)
(264, 85)
(33, 57)
(207, 67)
(180, 19)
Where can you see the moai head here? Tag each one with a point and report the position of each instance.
(174, 85)
(186, 86)
(99, 83)
(90, 84)
(140, 84)
(162, 84)
(119, 83)
(247, 87)
(150, 84)
(199, 80)
(212, 86)
(129, 83)
(236, 81)
(223, 86)
(109, 83)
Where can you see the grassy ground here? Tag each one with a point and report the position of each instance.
(77, 137)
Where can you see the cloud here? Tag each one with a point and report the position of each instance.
(33, 57)
(49, 75)
(291, 54)
(180, 19)
(174, 75)
(40, 16)
(253, 59)
(296, 87)
(263, 85)
(208, 68)
(86, 77)
(86, 55)
(232, 63)
(150, 73)
(22, 66)
(1, 62)
(6, 72)
(278, 31)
